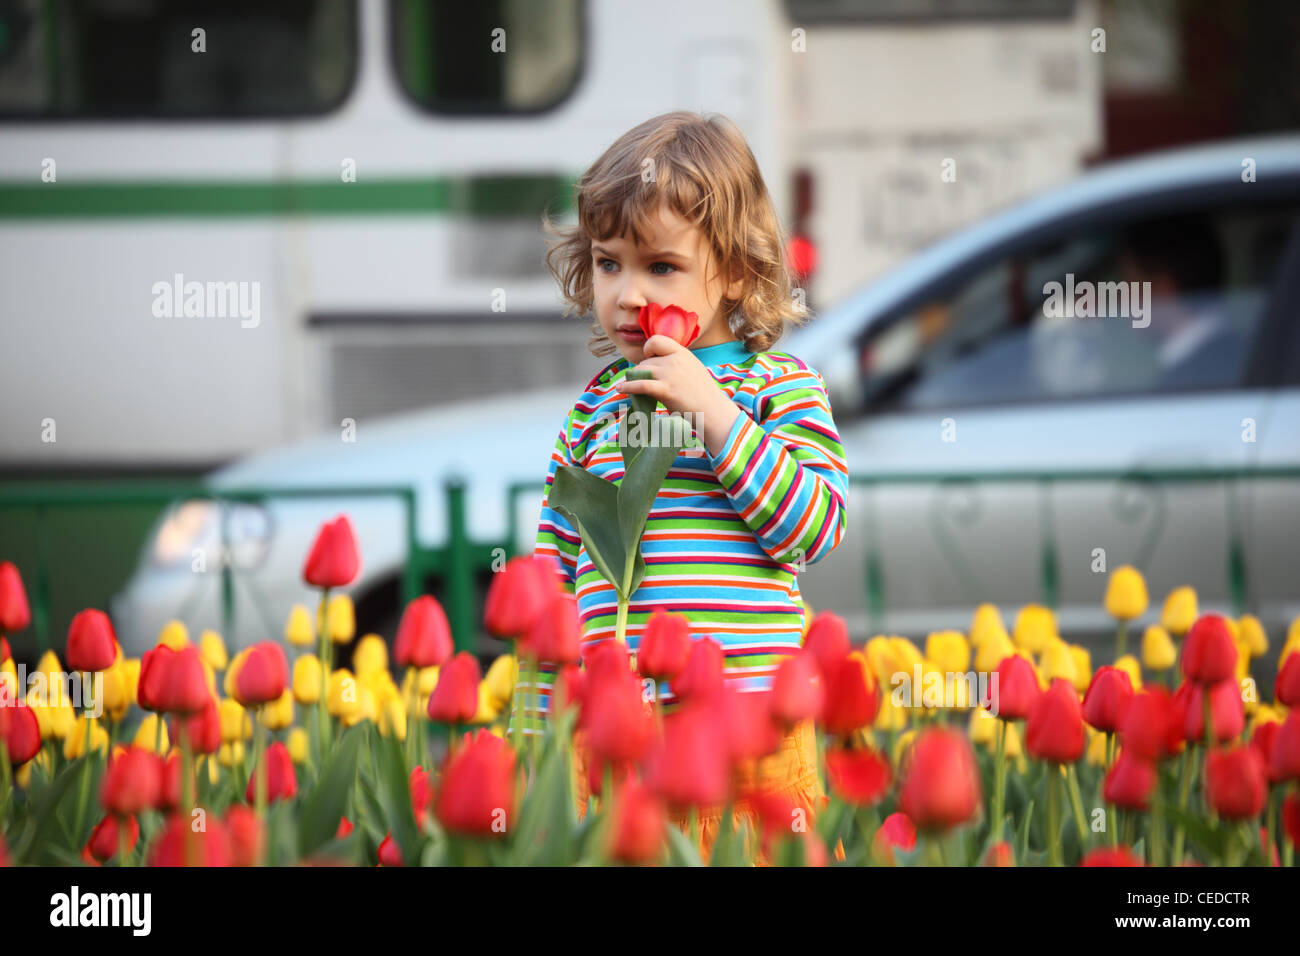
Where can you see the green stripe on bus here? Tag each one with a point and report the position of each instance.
(475, 196)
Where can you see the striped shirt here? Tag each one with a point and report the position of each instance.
(727, 534)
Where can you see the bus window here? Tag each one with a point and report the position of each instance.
(166, 59)
(490, 56)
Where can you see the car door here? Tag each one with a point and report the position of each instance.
(1002, 415)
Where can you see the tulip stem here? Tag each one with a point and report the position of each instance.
(322, 642)
(1121, 639)
(1076, 802)
(1184, 785)
(1053, 814)
(1157, 822)
(123, 851)
(6, 782)
(259, 769)
(85, 776)
(999, 779)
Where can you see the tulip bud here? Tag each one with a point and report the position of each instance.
(1179, 612)
(333, 561)
(298, 630)
(306, 679)
(1126, 594)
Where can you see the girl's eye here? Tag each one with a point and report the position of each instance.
(600, 264)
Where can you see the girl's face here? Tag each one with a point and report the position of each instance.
(670, 269)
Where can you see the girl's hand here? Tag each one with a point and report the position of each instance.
(684, 385)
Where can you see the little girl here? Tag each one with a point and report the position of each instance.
(764, 492)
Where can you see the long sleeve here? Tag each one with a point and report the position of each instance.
(786, 474)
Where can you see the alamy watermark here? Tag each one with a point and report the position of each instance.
(208, 300)
(1088, 300)
(54, 690)
(938, 690)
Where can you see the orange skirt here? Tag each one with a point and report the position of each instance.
(790, 772)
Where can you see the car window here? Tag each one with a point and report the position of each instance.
(144, 59)
(1152, 306)
(450, 56)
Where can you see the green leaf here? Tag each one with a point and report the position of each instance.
(324, 806)
(395, 796)
(1210, 840)
(643, 474)
(46, 812)
(590, 504)
(680, 850)
(1022, 841)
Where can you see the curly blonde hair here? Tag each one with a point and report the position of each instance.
(703, 170)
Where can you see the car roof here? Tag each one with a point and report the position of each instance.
(1151, 177)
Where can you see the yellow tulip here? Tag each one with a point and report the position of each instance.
(1293, 630)
(1129, 664)
(1035, 626)
(235, 723)
(298, 630)
(131, 676)
(890, 716)
(371, 655)
(392, 718)
(306, 679)
(1264, 714)
(23, 775)
(1292, 644)
(8, 668)
(74, 743)
(1096, 755)
(1233, 628)
(1158, 650)
(949, 650)
(367, 708)
(52, 709)
(487, 710)
(1179, 612)
(117, 699)
(499, 730)
(500, 679)
(213, 649)
(1126, 593)
(1243, 658)
(149, 731)
(1057, 661)
(50, 666)
(1012, 741)
(297, 745)
(808, 615)
(987, 619)
(380, 683)
(992, 649)
(232, 671)
(902, 743)
(962, 690)
(174, 635)
(340, 619)
(1253, 635)
(427, 681)
(344, 700)
(1082, 667)
(880, 658)
(983, 728)
(278, 714)
(231, 754)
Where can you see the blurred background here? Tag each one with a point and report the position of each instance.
(357, 187)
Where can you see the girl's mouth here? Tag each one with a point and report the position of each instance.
(630, 335)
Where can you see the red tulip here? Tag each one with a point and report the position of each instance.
(455, 697)
(204, 729)
(1285, 759)
(555, 635)
(132, 782)
(1107, 696)
(797, 690)
(23, 735)
(281, 781)
(181, 845)
(618, 727)
(940, 780)
(247, 835)
(639, 824)
(423, 635)
(1017, 689)
(334, 560)
(1227, 715)
(702, 677)
(103, 842)
(1130, 781)
(665, 645)
(671, 320)
(1235, 782)
(1209, 652)
(390, 854)
(1149, 726)
(15, 615)
(607, 657)
(778, 816)
(1108, 856)
(476, 794)
(1291, 818)
(689, 766)
(421, 788)
(345, 828)
(858, 775)
(1262, 739)
(518, 594)
(92, 645)
(896, 832)
(570, 684)
(169, 793)
(747, 719)
(827, 640)
(619, 772)
(852, 697)
(1286, 689)
(1054, 731)
(263, 676)
(5, 652)
(1000, 854)
(173, 682)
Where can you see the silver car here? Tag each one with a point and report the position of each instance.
(1008, 441)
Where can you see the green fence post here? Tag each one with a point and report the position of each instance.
(1047, 537)
(227, 572)
(458, 577)
(413, 573)
(42, 614)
